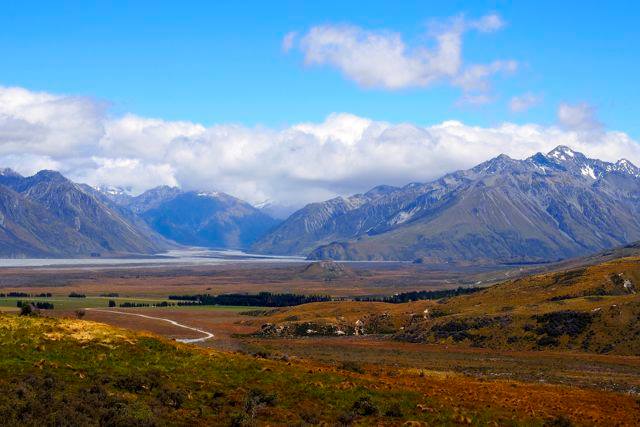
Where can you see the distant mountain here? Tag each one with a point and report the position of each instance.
(199, 218)
(324, 222)
(276, 210)
(48, 215)
(543, 208)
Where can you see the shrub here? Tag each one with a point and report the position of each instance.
(76, 295)
(257, 399)
(26, 310)
(112, 303)
(560, 323)
(559, 421)
(349, 365)
(364, 407)
(173, 398)
(394, 410)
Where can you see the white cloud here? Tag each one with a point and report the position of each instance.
(522, 103)
(288, 41)
(382, 59)
(135, 174)
(488, 23)
(305, 162)
(475, 77)
(579, 117)
(42, 123)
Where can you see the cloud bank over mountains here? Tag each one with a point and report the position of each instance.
(304, 162)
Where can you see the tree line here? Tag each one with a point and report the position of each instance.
(422, 295)
(24, 295)
(262, 299)
(40, 305)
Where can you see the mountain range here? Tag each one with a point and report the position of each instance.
(209, 219)
(543, 208)
(47, 215)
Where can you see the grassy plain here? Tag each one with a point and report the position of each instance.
(449, 366)
(62, 371)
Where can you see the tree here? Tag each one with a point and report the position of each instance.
(26, 309)
(112, 303)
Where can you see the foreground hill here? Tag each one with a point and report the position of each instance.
(198, 218)
(70, 372)
(543, 208)
(589, 309)
(47, 215)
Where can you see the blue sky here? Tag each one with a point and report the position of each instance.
(289, 103)
(220, 62)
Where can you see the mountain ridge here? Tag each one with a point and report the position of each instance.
(542, 208)
(197, 218)
(47, 215)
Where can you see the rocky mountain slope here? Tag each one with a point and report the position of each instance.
(198, 218)
(543, 208)
(48, 215)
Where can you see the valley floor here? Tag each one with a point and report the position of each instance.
(62, 368)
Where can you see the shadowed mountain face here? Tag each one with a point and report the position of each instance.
(48, 215)
(200, 219)
(543, 208)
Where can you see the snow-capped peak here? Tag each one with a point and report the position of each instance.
(587, 170)
(209, 194)
(9, 172)
(625, 166)
(112, 190)
(562, 152)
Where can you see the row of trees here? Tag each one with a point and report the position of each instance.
(24, 295)
(130, 304)
(422, 295)
(76, 295)
(263, 299)
(40, 305)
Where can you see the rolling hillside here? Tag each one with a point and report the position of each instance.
(592, 308)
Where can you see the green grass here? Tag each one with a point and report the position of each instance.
(55, 372)
(66, 303)
(75, 372)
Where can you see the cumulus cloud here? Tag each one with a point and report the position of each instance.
(522, 103)
(382, 59)
(305, 162)
(579, 117)
(42, 123)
